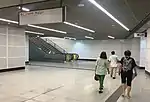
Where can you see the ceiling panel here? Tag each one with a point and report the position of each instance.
(6, 3)
(129, 12)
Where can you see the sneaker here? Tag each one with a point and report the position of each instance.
(123, 95)
(101, 88)
(114, 77)
(128, 96)
(100, 91)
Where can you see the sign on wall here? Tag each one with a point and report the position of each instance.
(56, 15)
(136, 35)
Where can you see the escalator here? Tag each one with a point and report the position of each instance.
(41, 50)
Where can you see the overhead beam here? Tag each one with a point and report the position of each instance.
(138, 26)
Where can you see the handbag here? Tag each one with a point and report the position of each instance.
(96, 77)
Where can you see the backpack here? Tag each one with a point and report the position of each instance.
(127, 64)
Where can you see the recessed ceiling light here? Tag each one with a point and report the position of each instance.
(113, 25)
(24, 9)
(81, 5)
(90, 34)
(88, 37)
(108, 14)
(70, 38)
(121, 40)
(76, 23)
(111, 37)
(77, 26)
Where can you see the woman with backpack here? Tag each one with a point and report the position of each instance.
(128, 64)
(102, 66)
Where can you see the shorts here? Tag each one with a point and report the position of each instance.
(126, 77)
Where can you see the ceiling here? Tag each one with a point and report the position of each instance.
(129, 12)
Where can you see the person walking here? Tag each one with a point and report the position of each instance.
(101, 69)
(113, 59)
(128, 65)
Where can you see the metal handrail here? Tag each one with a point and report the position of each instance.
(42, 46)
(34, 41)
(54, 45)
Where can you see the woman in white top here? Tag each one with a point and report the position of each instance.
(101, 69)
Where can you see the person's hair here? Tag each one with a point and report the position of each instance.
(127, 53)
(103, 55)
(113, 52)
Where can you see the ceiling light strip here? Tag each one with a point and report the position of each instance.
(34, 32)
(9, 21)
(88, 37)
(111, 37)
(70, 38)
(107, 13)
(77, 26)
(54, 30)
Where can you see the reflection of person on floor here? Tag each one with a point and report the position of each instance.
(113, 59)
(101, 69)
(128, 64)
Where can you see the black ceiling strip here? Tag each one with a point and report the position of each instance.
(61, 2)
(128, 6)
(25, 4)
(138, 26)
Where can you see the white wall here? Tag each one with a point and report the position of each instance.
(90, 49)
(12, 45)
(143, 52)
(147, 60)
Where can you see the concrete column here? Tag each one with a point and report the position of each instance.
(12, 46)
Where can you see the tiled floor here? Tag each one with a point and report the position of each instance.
(49, 84)
(140, 90)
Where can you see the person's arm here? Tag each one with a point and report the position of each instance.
(109, 60)
(134, 67)
(107, 66)
(117, 59)
(96, 65)
(120, 68)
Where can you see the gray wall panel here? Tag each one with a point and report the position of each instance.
(16, 62)
(3, 63)
(2, 39)
(2, 51)
(16, 40)
(3, 29)
(16, 51)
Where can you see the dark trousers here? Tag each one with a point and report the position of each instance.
(126, 77)
(101, 81)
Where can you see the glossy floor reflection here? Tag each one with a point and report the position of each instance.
(49, 84)
(89, 65)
